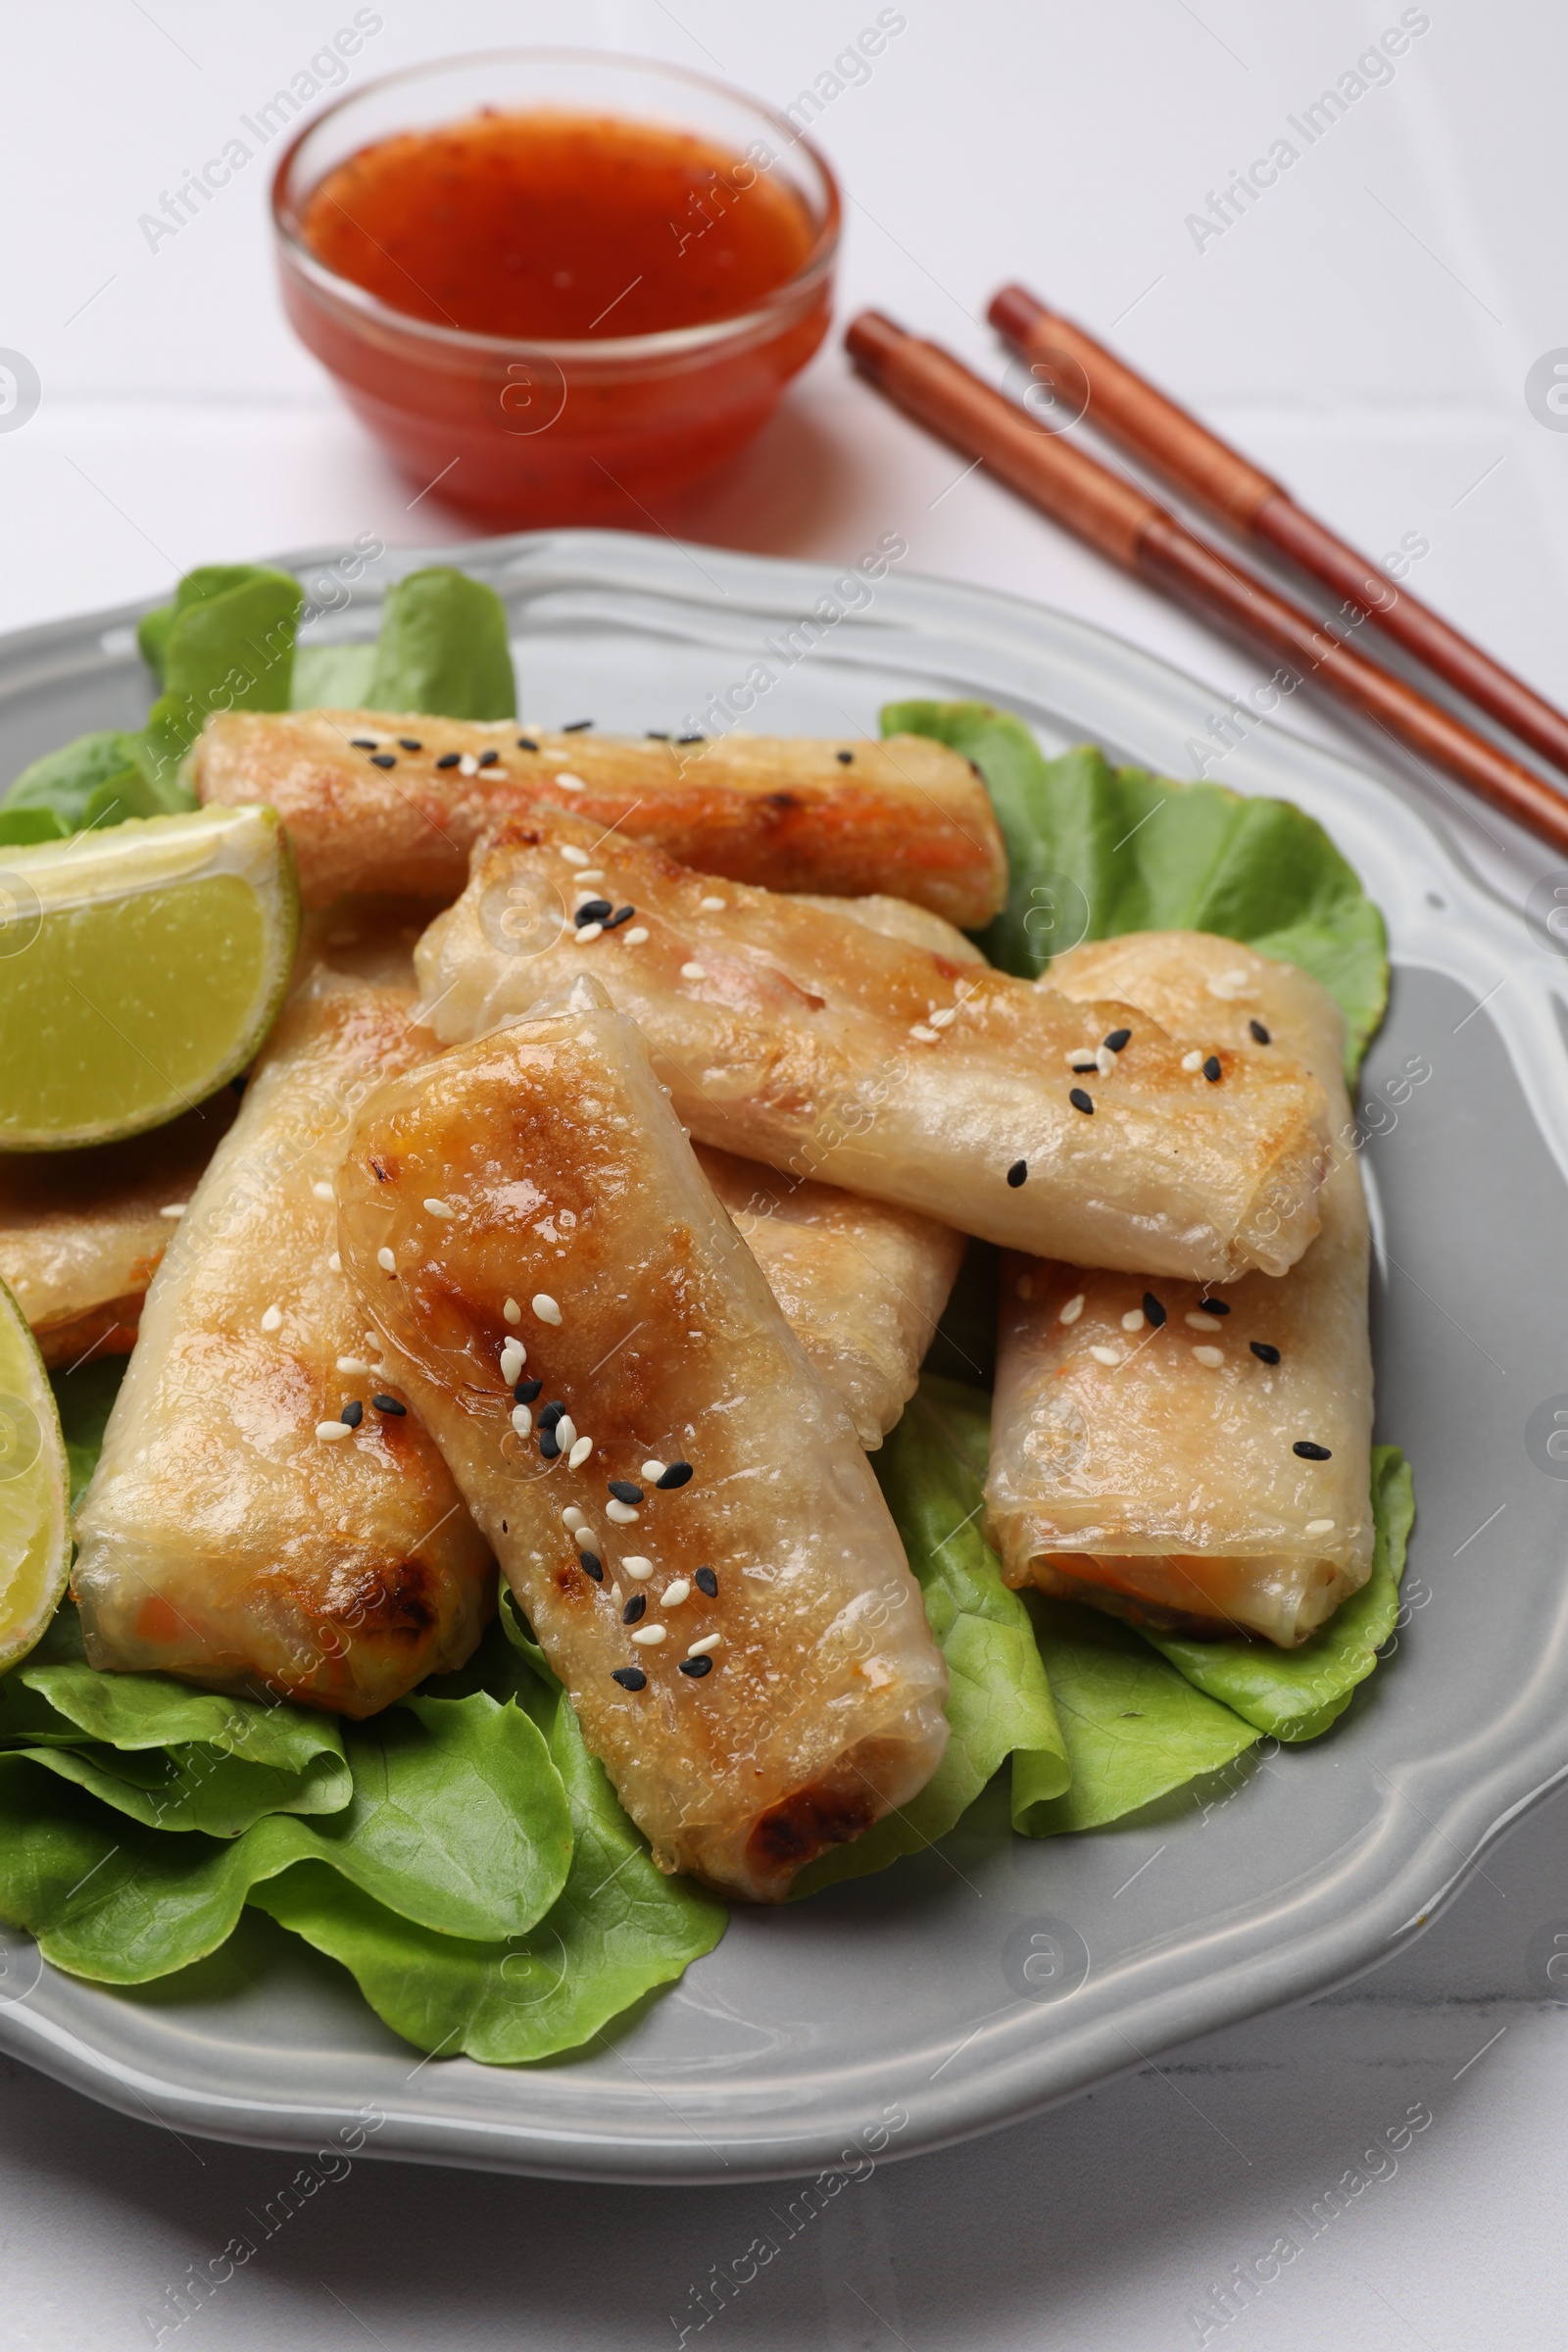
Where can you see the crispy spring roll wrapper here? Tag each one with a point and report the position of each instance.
(862, 1285)
(1163, 1484)
(901, 918)
(908, 815)
(82, 1233)
(223, 1539)
(828, 1049)
(562, 1176)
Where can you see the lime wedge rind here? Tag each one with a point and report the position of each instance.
(34, 1491)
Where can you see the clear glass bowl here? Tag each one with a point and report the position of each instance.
(528, 433)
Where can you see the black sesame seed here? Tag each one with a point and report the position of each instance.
(576, 726)
(550, 1414)
(676, 1475)
(843, 757)
(352, 1413)
(1211, 1069)
(548, 1449)
(526, 743)
(1260, 1033)
(624, 1490)
(691, 739)
(411, 743)
(1018, 1173)
(1081, 1101)
(1215, 1306)
(383, 760)
(592, 910)
(655, 735)
(1311, 1452)
(1154, 1310)
(389, 1405)
(449, 760)
(1081, 1069)
(696, 1667)
(362, 743)
(707, 1581)
(1264, 1354)
(636, 1610)
(526, 1391)
(630, 1678)
(1117, 1038)
(489, 758)
(622, 914)
(589, 1562)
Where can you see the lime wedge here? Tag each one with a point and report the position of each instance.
(139, 968)
(35, 1490)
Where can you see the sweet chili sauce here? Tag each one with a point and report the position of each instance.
(565, 239)
(557, 226)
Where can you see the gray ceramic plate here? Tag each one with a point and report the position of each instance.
(992, 1975)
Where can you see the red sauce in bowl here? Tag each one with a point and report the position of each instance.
(556, 227)
(559, 315)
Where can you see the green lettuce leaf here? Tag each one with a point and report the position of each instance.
(332, 677)
(443, 648)
(93, 780)
(459, 1821)
(1094, 851)
(1296, 1693)
(226, 643)
(618, 1929)
(195, 1786)
(932, 1472)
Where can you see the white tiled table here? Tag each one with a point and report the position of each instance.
(1365, 332)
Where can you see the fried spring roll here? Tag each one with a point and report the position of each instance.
(698, 1542)
(82, 1233)
(1199, 1460)
(907, 816)
(862, 1285)
(236, 1532)
(828, 1049)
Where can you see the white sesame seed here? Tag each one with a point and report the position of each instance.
(701, 1649)
(512, 1359)
(571, 783)
(440, 1208)
(1314, 1527)
(1133, 1320)
(544, 1307)
(713, 906)
(928, 1037)
(1105, 1355)
(649, 1637)
(673, 1595)
(1080, 1054)
(572, 1517)
(468, 766)
(175, 1210)
(636, 937)
(581, 1448)
(590, 873)
(1073, 1308)
(322, 1190)
(271, 1318)
(565, 1432)
(637, 1568)
(335, 1264)
(512, 1312)
(1211, 1359)
(1201, 1322)
(587, 932)
(1192, 1060)
(653, 1470)
(694, 972)
(354, 1367)
(584, 1537)
(621, 1514)
(522, 1419)
(1105, 1061)
(328, 1430)
(386, 1261)
(573, 855)
(946, 1017)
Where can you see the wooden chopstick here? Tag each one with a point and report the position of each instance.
(1134, 530)
(1133, 413)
